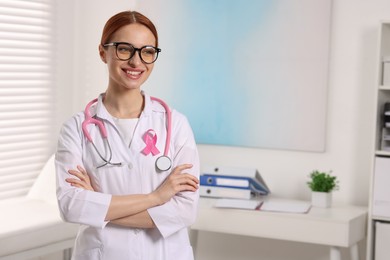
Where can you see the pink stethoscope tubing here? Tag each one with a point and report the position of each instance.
(163, 163)
(169, 125)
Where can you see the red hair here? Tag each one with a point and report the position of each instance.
(125, 18)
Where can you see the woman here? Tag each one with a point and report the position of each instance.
(128, 207)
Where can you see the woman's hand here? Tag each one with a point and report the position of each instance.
(82, 179)
(176, 182)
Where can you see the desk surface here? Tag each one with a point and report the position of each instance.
(336, 226)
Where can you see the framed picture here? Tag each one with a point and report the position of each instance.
(251, 73)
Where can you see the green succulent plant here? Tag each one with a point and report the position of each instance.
(322, 182)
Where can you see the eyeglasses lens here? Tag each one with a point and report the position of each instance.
(148, 54)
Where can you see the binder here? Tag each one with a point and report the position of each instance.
(234, 177)
(233, 182)
(223, 192)
(224, 181)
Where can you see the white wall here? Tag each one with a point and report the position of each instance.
(350, 116)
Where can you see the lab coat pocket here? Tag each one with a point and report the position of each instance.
(89, 244)
(113, 179)
(179, 246)
(181, 252)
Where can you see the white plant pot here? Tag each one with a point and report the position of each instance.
(321, 199)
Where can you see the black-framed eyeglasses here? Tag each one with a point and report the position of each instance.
(125, 51)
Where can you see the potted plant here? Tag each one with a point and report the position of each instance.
(322, 184)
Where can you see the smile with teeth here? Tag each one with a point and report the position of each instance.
(133, 73)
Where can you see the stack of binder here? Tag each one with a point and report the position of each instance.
(232, 182)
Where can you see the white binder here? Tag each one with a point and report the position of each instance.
(222, 192)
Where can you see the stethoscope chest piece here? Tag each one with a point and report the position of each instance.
(163, 163)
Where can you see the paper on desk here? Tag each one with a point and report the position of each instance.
(285, 205)
(237, 203)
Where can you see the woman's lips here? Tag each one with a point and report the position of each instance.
(133, 74)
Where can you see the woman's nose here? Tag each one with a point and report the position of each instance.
(135, 59)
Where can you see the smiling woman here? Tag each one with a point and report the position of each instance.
(133, 200)
(26, 93)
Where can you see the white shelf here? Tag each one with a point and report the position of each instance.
(379, 170)
(380, 218)
(382, 153)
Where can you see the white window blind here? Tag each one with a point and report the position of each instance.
(26, 92)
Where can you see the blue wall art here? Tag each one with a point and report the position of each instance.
(246, 73)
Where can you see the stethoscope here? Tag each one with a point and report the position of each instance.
(163, 163)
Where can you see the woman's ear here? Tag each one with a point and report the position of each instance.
(102, 53)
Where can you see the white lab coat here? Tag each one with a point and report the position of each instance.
(99, 240)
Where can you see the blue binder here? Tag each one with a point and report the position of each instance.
(235, 178)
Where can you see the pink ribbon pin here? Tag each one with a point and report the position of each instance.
(150, 139)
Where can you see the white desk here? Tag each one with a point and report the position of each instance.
(335, 227)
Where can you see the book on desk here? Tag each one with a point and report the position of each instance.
(232, 182)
